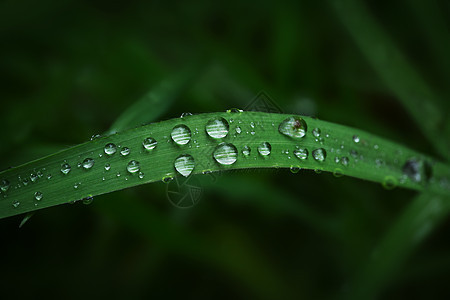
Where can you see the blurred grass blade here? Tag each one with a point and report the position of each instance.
(396, 71)
(412, 227)
(156, 102)
(93, 168)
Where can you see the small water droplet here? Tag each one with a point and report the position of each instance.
(15, 203)
(246, 151)
(95, 136)
(185, 114)
(356, 139)
(234, 110)
(181, 134)
(125, 151)
(149, 143)
(33, 177)
(337, 159)
(252, 124)
(141, 175)
(319, 154)
(4, 185)
(293, 127)
(110, 149)
(88, 200)
(133, 167)
(225, 154)
(88, 163)
(184, 164)
(38, 196)
(65, 168)
(301, 153)
(338, 173)
(107, 167)
(264, 149)
(167, 179)
(389, 182)
(118, 174)
(49, 176)
(217, 128)
(295, 169)
(77, 185)
(417, 170)
(344, 161)
(316, 132)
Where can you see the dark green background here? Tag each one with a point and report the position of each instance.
(70, 68)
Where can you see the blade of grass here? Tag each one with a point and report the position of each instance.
(396, 71)
(371, 158)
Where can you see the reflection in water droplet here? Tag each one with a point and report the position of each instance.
(65, 168)
(264, 149)
(301, 153)
(319, 154)
(225, 154)
(133, 167)
(125, 151)
(293, 127)
(88, 163)
(149, 143)
(217, 128)
(110, 149)
(181, 134)
(184, 164)
(38, 196)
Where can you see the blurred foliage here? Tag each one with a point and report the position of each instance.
(70, 68)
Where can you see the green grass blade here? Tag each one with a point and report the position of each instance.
(371, 158)
(396, 71)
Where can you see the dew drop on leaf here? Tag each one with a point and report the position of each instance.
(88, 163)
(38, 196)
(246, 151)
(125, 151)
(184, 164)
(264, 149)
(110, 149)
(319, 154)
(88, 200)
(149, 143)
(107, 167)
(344, 161)
(293, 127)
(356, 139)
(301, 153)
(295, 169)
(316, 132)
(181, 134)
(225, 154)
(65, 168)
(15, 203)
(133, 167)
(217, 128)
(4, 185)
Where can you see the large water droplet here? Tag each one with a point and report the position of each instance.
(133, 166)
(319, 154)
(88, 163)
(4, 185)
(417, 170)
(65, 168)
(225, 154)
(184, 164)
(181, 134)
(246, 151)
(217, 128)
(264, 149)
(38, 196)
(149, 143)
(110, 149)
(125, 151)
(293, 127)
(301, 153)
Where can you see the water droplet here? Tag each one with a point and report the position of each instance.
(389, 182)
(15, 203)
(133, 167)
(33, 177)
(344, 161)
(238, 130)
(88, 200)
(293, 127)
(338, 173)
(110, 149)
(295, 169)
(301, 153)
(107, 167)
(65, 168)
(234, 110)
(184, 164)
(246, 151)
(337, 159)
(49, 176)
(77, 185)
(319, 154)
(149, 143)
(417, 170)
(181, 134)
(356, 139)
(225, 154)
(264, 149)
(4, 185)
(217, 128)
(185, 114)
(167, 179)
(125, 151)
(38, 196)
(88, 163)
(141, 175)
(118, 174)
(316, 132)
(95, 136)
(252, 124)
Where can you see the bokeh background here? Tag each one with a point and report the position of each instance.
(70, 68)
